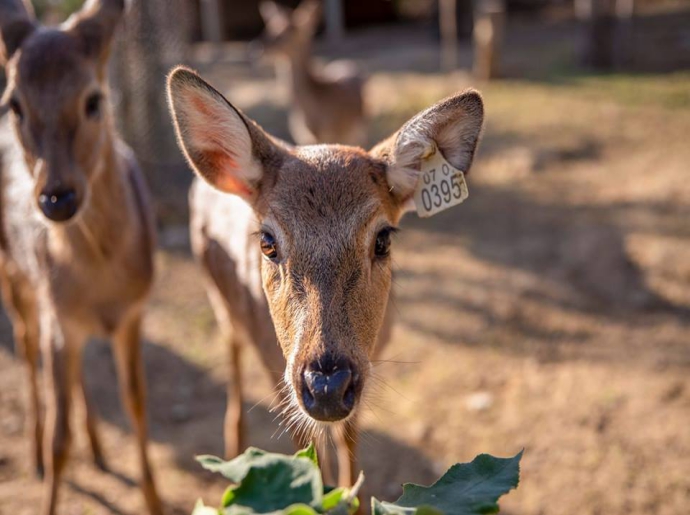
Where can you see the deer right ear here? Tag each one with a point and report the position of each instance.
(452, 126)
(16, 23)
(218, 142)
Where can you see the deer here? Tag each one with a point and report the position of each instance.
(76, 229)
(295, 243)
(327, 105)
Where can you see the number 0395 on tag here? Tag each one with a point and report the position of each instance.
(440, 186)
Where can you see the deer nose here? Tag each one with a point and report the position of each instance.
(58, 205)
(328, 389)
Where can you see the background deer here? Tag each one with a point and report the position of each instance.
(77, 238)
(301, 236)
(327, 105)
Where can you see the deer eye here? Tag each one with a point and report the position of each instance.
(92, 107)
(382, 245)
(16, 108)
(268, 246)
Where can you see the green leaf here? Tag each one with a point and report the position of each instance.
(332, 498)
(309, 452)
(236, 469)
(295, 509)
(267, 482)
(466, 489)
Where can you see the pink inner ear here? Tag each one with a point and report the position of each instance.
(218, 161)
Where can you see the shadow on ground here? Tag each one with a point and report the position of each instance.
(186, 410)
(576, 260)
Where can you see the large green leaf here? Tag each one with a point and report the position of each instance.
(267, 482)
(236, 469)
(466, 489)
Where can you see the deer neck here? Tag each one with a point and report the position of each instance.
(296, 71)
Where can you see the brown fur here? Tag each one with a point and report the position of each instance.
(90, 275)
(326, 292)
(327, 105)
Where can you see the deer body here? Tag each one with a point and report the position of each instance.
(296, 246)
(327, 104)
(76, 228)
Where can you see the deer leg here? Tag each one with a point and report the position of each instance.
(82, 399)
(60, 349)
(346, 438)
(25, 328)
(127, 350)
(234, 415)
(325, 453)
(30, 352)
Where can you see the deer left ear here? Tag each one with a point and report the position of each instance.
(16, 23)
(95, 26)
(453, 126)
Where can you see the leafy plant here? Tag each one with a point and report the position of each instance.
(278, 484)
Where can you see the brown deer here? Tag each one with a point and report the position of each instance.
(296, 246)
(327, 105)
(76, 231)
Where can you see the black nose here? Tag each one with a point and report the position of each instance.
(328, 389)
(58, 205)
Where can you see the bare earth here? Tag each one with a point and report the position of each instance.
(549, 312)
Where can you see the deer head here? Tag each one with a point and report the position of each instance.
(288, 33)
(56, 91)
(325, 216)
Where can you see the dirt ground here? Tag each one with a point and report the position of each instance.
(549, 312)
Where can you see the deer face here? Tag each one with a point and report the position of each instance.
(325, 215)
(56, 93)
(325, 233)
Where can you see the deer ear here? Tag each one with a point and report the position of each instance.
(453, 126)
(308, 14)
(16, 23)
(273, 14)
(220, 144)
(95, 25)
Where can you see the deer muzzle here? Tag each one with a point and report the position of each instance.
(329, 388)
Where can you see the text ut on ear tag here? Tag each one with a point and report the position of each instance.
(440, 185)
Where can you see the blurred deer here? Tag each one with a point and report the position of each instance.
(76, 232)
(326, 105)
(296, 246)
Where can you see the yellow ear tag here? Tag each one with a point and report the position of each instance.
(440, 185)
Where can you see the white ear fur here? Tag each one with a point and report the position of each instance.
(213, 135)
(453, 126)
(276, 17)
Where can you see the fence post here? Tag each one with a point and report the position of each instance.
(211, 21)
(489, 26)
(448, 25)
(335, 25)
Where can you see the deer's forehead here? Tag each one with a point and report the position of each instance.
(52, 61)
(337, 189)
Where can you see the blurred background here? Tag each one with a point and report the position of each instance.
(550, 311)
